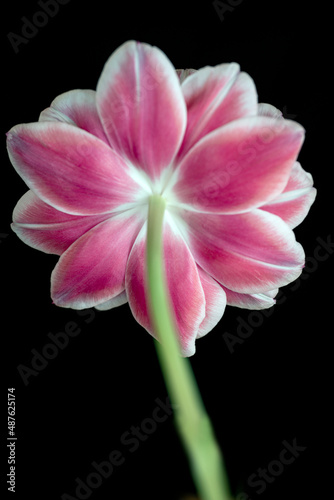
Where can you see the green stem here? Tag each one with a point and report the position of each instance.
(192, 421)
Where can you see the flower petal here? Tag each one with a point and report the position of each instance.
(294, 203)
(215, 303)
(265, 109)
(184, 73)
(254, 301)
(141, 106)
(247, 253)
(216, 96)
(43, 227)
(239, 166)
(188, 308)
(76, 107)
(117, 301)
(92, 270)
(70, 169)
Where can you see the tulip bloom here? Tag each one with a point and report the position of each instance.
(224, 164)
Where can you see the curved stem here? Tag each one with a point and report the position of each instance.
(192, 421)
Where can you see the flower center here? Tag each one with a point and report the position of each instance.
(161, 186)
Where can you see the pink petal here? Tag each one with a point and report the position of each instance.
(76, 107)
(184, 285)
(239, 166)
(214, 97)
(254, 301)
(215, 303)
(43, 227)
(247, 253)
(70, 169)
(294, 203)
(92, 270)
(141, 105)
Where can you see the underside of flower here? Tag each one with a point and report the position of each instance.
(225, 165)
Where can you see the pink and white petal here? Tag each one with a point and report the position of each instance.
(117, 301)
(140, 102)
(255, 301)
(76, 107)
(182, 278)
(92, 270)
(294, 203)
(247, 253)
(44, 228)
(215, 303)
(240, 166)
(135, 281)
(216, 96)
(70, 169)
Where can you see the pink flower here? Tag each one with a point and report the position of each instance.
(225, 165)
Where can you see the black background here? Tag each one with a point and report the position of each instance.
(273, 387)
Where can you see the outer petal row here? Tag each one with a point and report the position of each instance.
(294, 203)
(215, 302)
(239, 166)
(47, 229)
(255, 301)
(117, 301)
(76, 107)
(106, 267)
(197, 301)
(70, 169)
(246, 253)
(214, 97)
(188, 308)
(92, 270)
